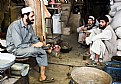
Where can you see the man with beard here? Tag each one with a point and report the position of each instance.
(22, 41)
(103, 45)
(85, 30)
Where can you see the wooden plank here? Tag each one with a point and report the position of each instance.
(35, 4)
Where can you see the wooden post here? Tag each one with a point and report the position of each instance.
(40, 13)
(35, 4)
(43, 22)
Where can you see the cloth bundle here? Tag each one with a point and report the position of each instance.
(20, 69)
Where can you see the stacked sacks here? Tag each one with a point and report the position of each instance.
(119, 47)
(114, 7)
(116, 24)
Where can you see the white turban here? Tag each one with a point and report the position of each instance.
(109, 18)
(26, 10)
(92, 17)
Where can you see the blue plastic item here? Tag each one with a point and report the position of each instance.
(116, 83)
(114, 69)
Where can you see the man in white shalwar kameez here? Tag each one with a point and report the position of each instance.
(86, 28)
(102, 45)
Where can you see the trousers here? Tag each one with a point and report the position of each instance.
(38, 53)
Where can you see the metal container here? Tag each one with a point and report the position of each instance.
(90, 75)
(6, 60)
(56, 24)
(65, 47)
(114, 68)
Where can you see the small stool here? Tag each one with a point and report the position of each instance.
(27, 60)
(21, 59)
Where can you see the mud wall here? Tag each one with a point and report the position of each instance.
(9, 11)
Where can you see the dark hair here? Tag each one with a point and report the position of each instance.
(103, 18)
(22, 15)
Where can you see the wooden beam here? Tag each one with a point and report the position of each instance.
(35, 4)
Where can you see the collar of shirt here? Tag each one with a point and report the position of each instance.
(22, 24)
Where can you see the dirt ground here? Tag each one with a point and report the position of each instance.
(60, 68)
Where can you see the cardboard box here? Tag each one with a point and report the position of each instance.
(66, 31)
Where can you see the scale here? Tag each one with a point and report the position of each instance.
(6, 61)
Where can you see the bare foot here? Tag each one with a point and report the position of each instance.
(42, 78)
(87, 54)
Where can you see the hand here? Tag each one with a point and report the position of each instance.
(84, 29)
(88, 40)
(39, 44)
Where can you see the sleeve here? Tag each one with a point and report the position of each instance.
(79, 28)
(88, 40)
(16, 37)
(105, 35)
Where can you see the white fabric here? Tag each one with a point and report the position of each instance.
(101, 42)
(45, 2)
(109, 18)
(20, 69)
(111, 2)
(118, 32)
(114, 8)
(105, 35)
(92, 17)
(81, 34)
(98, 47)
(119, 8)
(119, 44)
(26, 10)
(116, 21)
(3, 43)
(117, 0)
(118, 53)
(93, 33)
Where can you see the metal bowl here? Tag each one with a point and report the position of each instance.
(6, 60)
(89, 75)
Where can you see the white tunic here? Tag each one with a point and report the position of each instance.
(103, 44)
(81, 33)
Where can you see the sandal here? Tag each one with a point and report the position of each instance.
(91, 64)
(87, 54)
(47, 80)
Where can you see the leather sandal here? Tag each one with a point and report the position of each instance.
(47, 80)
